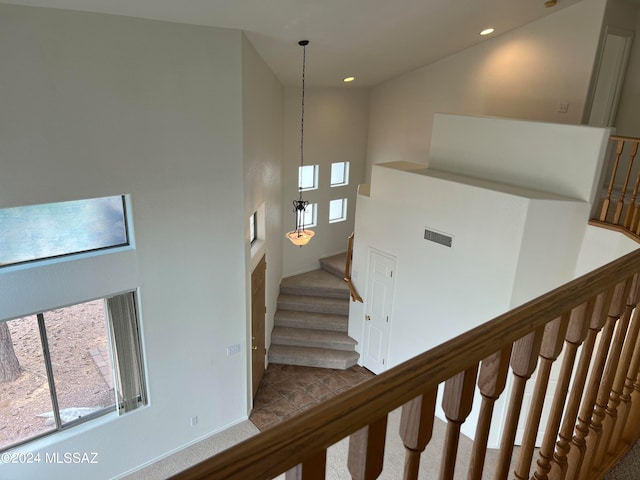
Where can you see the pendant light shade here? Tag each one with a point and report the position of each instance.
(301, 236)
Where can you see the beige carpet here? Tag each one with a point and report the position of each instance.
(195, 453)
(336, 455)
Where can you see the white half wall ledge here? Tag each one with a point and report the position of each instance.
(557, 158)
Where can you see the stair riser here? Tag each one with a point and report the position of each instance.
(277, 340)
(341, 294)
(306, 362)
(334, 327)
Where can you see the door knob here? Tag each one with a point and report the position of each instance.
(368, 318)
(254, 347)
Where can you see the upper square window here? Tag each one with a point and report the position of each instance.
(49, 230)
(339, 174)
(308, 177)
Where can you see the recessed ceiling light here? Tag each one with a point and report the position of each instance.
(487, 31)
(348, 79)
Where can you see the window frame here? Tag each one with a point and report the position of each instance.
(253, 227)
(117, 353)
(315, 173)
(314, 216)
(343, 216)
(345, 175)
(126, 230)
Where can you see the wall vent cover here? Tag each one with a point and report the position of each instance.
(438, 237)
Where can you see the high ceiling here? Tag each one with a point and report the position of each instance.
(373, 40)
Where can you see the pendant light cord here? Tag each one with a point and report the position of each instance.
(304, 44)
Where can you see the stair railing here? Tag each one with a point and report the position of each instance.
(592, 421)
(347, 271)
(625, 217)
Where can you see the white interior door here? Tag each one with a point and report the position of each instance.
(377, 325)
(611, 70)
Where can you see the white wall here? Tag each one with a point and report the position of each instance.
(262, 106)
(335, 130)
(601, 246)
(522, 74)
(550, 247)
(518, 152)
(96, 105)
(433, 301)
(441, 292)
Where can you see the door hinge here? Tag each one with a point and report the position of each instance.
(387, 319)
(383, 361)
(265, 310)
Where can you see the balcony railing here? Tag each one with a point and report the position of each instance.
(620, 207)
(594, 417)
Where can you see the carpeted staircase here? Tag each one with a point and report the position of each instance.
(310, 325)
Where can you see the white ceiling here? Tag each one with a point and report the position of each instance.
(373, 40)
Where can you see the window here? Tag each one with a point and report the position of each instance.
(337, 210)
(310, 215)
(69, 365)
(37, 232)
(253, 227)
(339, 174)
(308, 177)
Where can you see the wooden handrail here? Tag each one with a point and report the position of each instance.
(347, 271)
(306, 437)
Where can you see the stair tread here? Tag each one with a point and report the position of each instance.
(317, 283)
(313, 303)
(311, 320)
(312, 335)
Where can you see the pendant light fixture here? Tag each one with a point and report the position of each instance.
(300, 236)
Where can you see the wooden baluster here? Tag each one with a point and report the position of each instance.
(576, 333)
(524, 359)
(366, 450)
(631, 218)
(570, 449)
(630, 432)
(491, 382)
(620, 204)
(607, 200)
(559, 466)
(628, 372)
(609, 392)
(416, 428)
(456, 403)
(551, 347)
(313, 468)
(586, 431)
